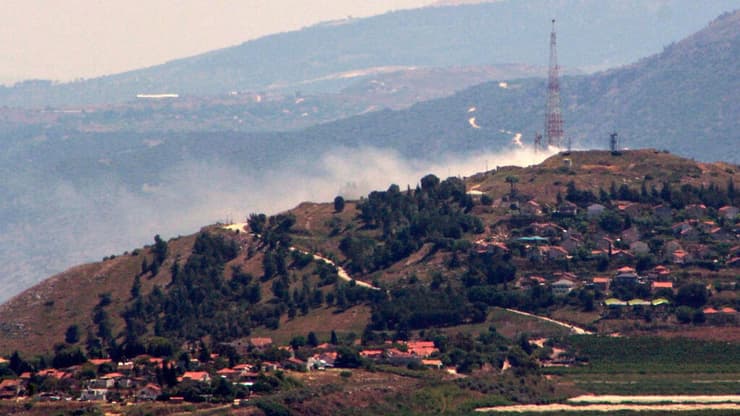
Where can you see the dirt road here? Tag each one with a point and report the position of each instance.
(573, 328)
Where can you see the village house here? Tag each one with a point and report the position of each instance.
(720, 234)
(695, 210)
(630, 208)
(421, 348)
(432, 363)
(94, 395)
(260, 342)
(197, 376)
(530, 281)
(655, 286)
(660, 273)
(729, 212)
(706, 226)
(548, 229)
(531, 208)
(568, 209)
(571, 244)
(555, 253)
(679, 257)
(372, 354)
(101, 383)
(626, 276)
(622, 256)
(562, 287)
(11, 388)
(148, 393)
(229, 374)
(604, 243)
(601, 283)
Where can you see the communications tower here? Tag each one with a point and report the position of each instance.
(554, 121)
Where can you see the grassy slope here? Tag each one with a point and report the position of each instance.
(36, 319)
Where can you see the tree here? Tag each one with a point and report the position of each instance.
(312, 340)
(333, 339)
(160, 249)
(338, 204)
(693, 295)
(511, 180)
(429, 183)
(348, 358)
(136, 287)
(72, 336)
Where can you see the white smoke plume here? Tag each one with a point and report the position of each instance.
(83, 224)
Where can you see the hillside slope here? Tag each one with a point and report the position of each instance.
(222, 285)
(316, 57)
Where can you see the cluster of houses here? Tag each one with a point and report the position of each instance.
(135, 380)
(691, 240)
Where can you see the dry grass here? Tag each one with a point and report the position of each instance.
(37, 318)
(321, 321)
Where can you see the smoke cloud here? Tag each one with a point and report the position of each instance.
(104, 217)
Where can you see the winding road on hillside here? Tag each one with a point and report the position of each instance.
(341, 272)
(575, 329)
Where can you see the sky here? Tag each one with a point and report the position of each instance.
(70, 39)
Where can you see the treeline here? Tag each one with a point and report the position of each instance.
(678, 197)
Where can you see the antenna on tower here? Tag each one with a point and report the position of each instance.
(554, 120)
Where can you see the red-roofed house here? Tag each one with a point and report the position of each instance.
(729, 212)
(662, 285)
(432, 363)
(421, 348)
(372, 354)
(228, 373)
(199, 376)
(696, 210)
(10, 388)
(150, 392)
(601, 283)
(260, 342)
(100, 361)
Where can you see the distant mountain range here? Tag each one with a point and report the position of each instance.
(328, 56)
(684, 99)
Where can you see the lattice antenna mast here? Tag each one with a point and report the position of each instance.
(554, 122)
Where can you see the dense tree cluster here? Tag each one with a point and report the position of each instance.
(434, 212)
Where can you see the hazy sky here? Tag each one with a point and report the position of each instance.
(68, 39)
